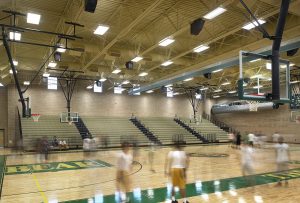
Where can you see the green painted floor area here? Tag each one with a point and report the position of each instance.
(54, 166)
(196, 189)
(2, 170)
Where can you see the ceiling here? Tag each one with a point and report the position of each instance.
(136, 28)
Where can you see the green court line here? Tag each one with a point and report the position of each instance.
(54, 166)
(2, 170)
(198, 188)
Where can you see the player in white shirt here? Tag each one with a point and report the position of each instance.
(176, 165)
(275, 137)
(282, 157)
(247, 153)
(124, 165)
(251, 138)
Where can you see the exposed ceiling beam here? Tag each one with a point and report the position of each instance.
(123, 33)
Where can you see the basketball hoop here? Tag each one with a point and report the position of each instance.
(253, 105)
(35, 117)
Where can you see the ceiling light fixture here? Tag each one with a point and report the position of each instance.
(257, 86)
(46, 75)
(214, 13)
(216, 96)
(11, 72)
(188, 79)
(33, 18)
(167, 63)
(292, 64)
(268, 66)
(15, 63)
(61, 48)
(226, 83)
(26, 83)
(52, 64)
(165, 42)
(101, 30)
(215, 71)
(143, 74)
(102, 79)
(253, 24)
(116, 71)
(295, 81)
(200, 48)
(137, 59)
(15, 36)
(149, 91)
(89, 87)
(204, 88)
(256, 76)
(1, 85)
(254, 60)
(126, 82)
(218, 90)
(232, 92)
(170, 85)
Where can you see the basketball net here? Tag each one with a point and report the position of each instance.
(253, 105)
(35, 117)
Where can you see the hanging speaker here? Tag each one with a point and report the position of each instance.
(291, 52)
(196, 26)
(90, 5)
(129, 65)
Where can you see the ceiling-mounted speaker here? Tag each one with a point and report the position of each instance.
(90, 5)
(57, 56)
(129, 65)
(207, 75)
(291, 52)
(98, 83)
(196, 26)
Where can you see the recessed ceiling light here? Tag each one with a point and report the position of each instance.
(116, 71)
(26, 83)
(165, 42)
(295, 81)
(292, 64)
(61, 48)
(226, 83)
(11, 72)
(126, 82)
(253, 24)
(204, 88)
(33, 18)
(101, 30)
(143, 74)
(188, 79)
(232, 92)
(102, 79)
(52, 64)
(46, 75)
(15, 36)
(214, 13)
(1, 85)
(170, 85)
(268, 66)
(89, 87)
(167, 63)
(283, 66)
(15, 63)
(218, 90)
(254, 60)
(149, 91)
(216, 96)
(245, 84)
(258, 86)
(137, 59)
(215, 71)
(200, 48)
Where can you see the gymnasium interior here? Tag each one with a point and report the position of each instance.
(83, 77)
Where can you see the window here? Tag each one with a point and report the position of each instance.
(52, 83)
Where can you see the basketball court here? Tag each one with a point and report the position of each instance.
(217, 83)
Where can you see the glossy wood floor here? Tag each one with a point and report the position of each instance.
(66, 185)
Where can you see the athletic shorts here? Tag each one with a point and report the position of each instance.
(123, 179)
(178, 177)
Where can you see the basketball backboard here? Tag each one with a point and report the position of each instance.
(66, 117)
(255, 79)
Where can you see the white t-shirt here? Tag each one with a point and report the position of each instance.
(251, 137)
(282, 152)
(124, 161)
(177, 159)
(247, 155)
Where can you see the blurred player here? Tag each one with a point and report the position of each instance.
(282, 158)
(176, 165)
(124, 166)
(152, 148)
(247, 153)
